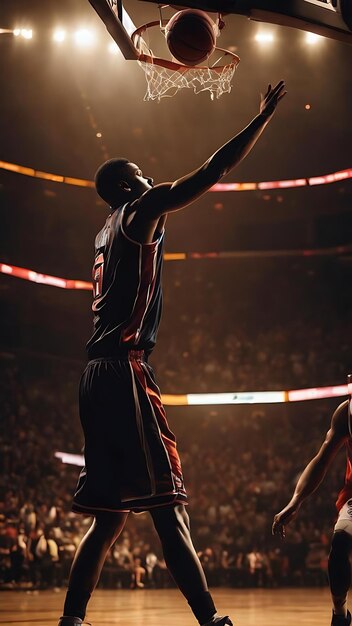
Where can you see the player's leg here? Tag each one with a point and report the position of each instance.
(172, 526)
(88, 563)
(340, 576)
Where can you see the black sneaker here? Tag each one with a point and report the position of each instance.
(340, 620)
(225, 621)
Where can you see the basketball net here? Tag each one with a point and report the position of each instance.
(165, 78)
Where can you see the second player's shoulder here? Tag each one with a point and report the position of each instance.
(340, 419)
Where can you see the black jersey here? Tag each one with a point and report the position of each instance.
(126, 290)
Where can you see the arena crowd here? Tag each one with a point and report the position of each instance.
(240, 464)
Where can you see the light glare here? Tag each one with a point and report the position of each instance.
(312, 38)
(84, 37)
(27, 33)
(264, 37)
(59, 35)
(113, 48)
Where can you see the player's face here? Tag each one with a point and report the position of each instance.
(138, 181)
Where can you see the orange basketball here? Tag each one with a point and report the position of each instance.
(191, 36)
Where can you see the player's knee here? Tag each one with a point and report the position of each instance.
(108, 525)
(183, 517)
(168, 520)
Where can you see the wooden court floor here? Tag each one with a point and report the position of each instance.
(267, 607)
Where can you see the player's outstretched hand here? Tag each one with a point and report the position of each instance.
(268, 103)
(283, 518)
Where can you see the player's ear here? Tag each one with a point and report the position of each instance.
(124, 185)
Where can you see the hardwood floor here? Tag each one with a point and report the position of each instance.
(267, 607)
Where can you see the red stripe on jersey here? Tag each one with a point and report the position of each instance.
(145, 290)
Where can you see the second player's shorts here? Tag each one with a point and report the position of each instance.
(344, 521)
(131, 458)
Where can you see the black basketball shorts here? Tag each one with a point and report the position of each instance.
(131, 458)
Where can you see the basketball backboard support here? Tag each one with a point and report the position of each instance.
(329, 18)
(119, 24)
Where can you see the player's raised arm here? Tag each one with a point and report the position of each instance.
(174, 196)
(316, 469)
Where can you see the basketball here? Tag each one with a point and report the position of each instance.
(191, 36)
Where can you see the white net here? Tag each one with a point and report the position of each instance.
(165, 82)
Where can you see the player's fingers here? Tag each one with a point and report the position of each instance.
(280, 530)
(279, 86)
(276, 96)
(267, 92)
(282, 95)
(277, 89)
(275, 527)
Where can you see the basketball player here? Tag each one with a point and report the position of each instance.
(339, 558)
(131, 459)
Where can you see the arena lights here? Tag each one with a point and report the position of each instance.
(65, 283)
(43, 279)
(59, 35)
(70, 459)
(84, 38)
(236, 397)
(312, 39)
(255, 397)
(26, 33)
(264, 37)
(326, 179)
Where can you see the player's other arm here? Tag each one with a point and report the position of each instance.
(316, 469)
(169, 197)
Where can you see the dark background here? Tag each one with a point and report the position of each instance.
(55, 98)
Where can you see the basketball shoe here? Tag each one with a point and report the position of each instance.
(72, 621)
(223, 621)
(340, 620)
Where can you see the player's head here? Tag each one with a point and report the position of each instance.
(118, 181)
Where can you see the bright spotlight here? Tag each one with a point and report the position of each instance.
(26, 33)
(264, 37)
(312, 38)
(113, 48)
(84, 37)
(59, 35)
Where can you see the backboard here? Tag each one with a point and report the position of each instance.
(329, 18)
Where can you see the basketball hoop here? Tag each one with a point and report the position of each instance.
(166, 77)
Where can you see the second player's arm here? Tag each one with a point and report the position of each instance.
(316, 469)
